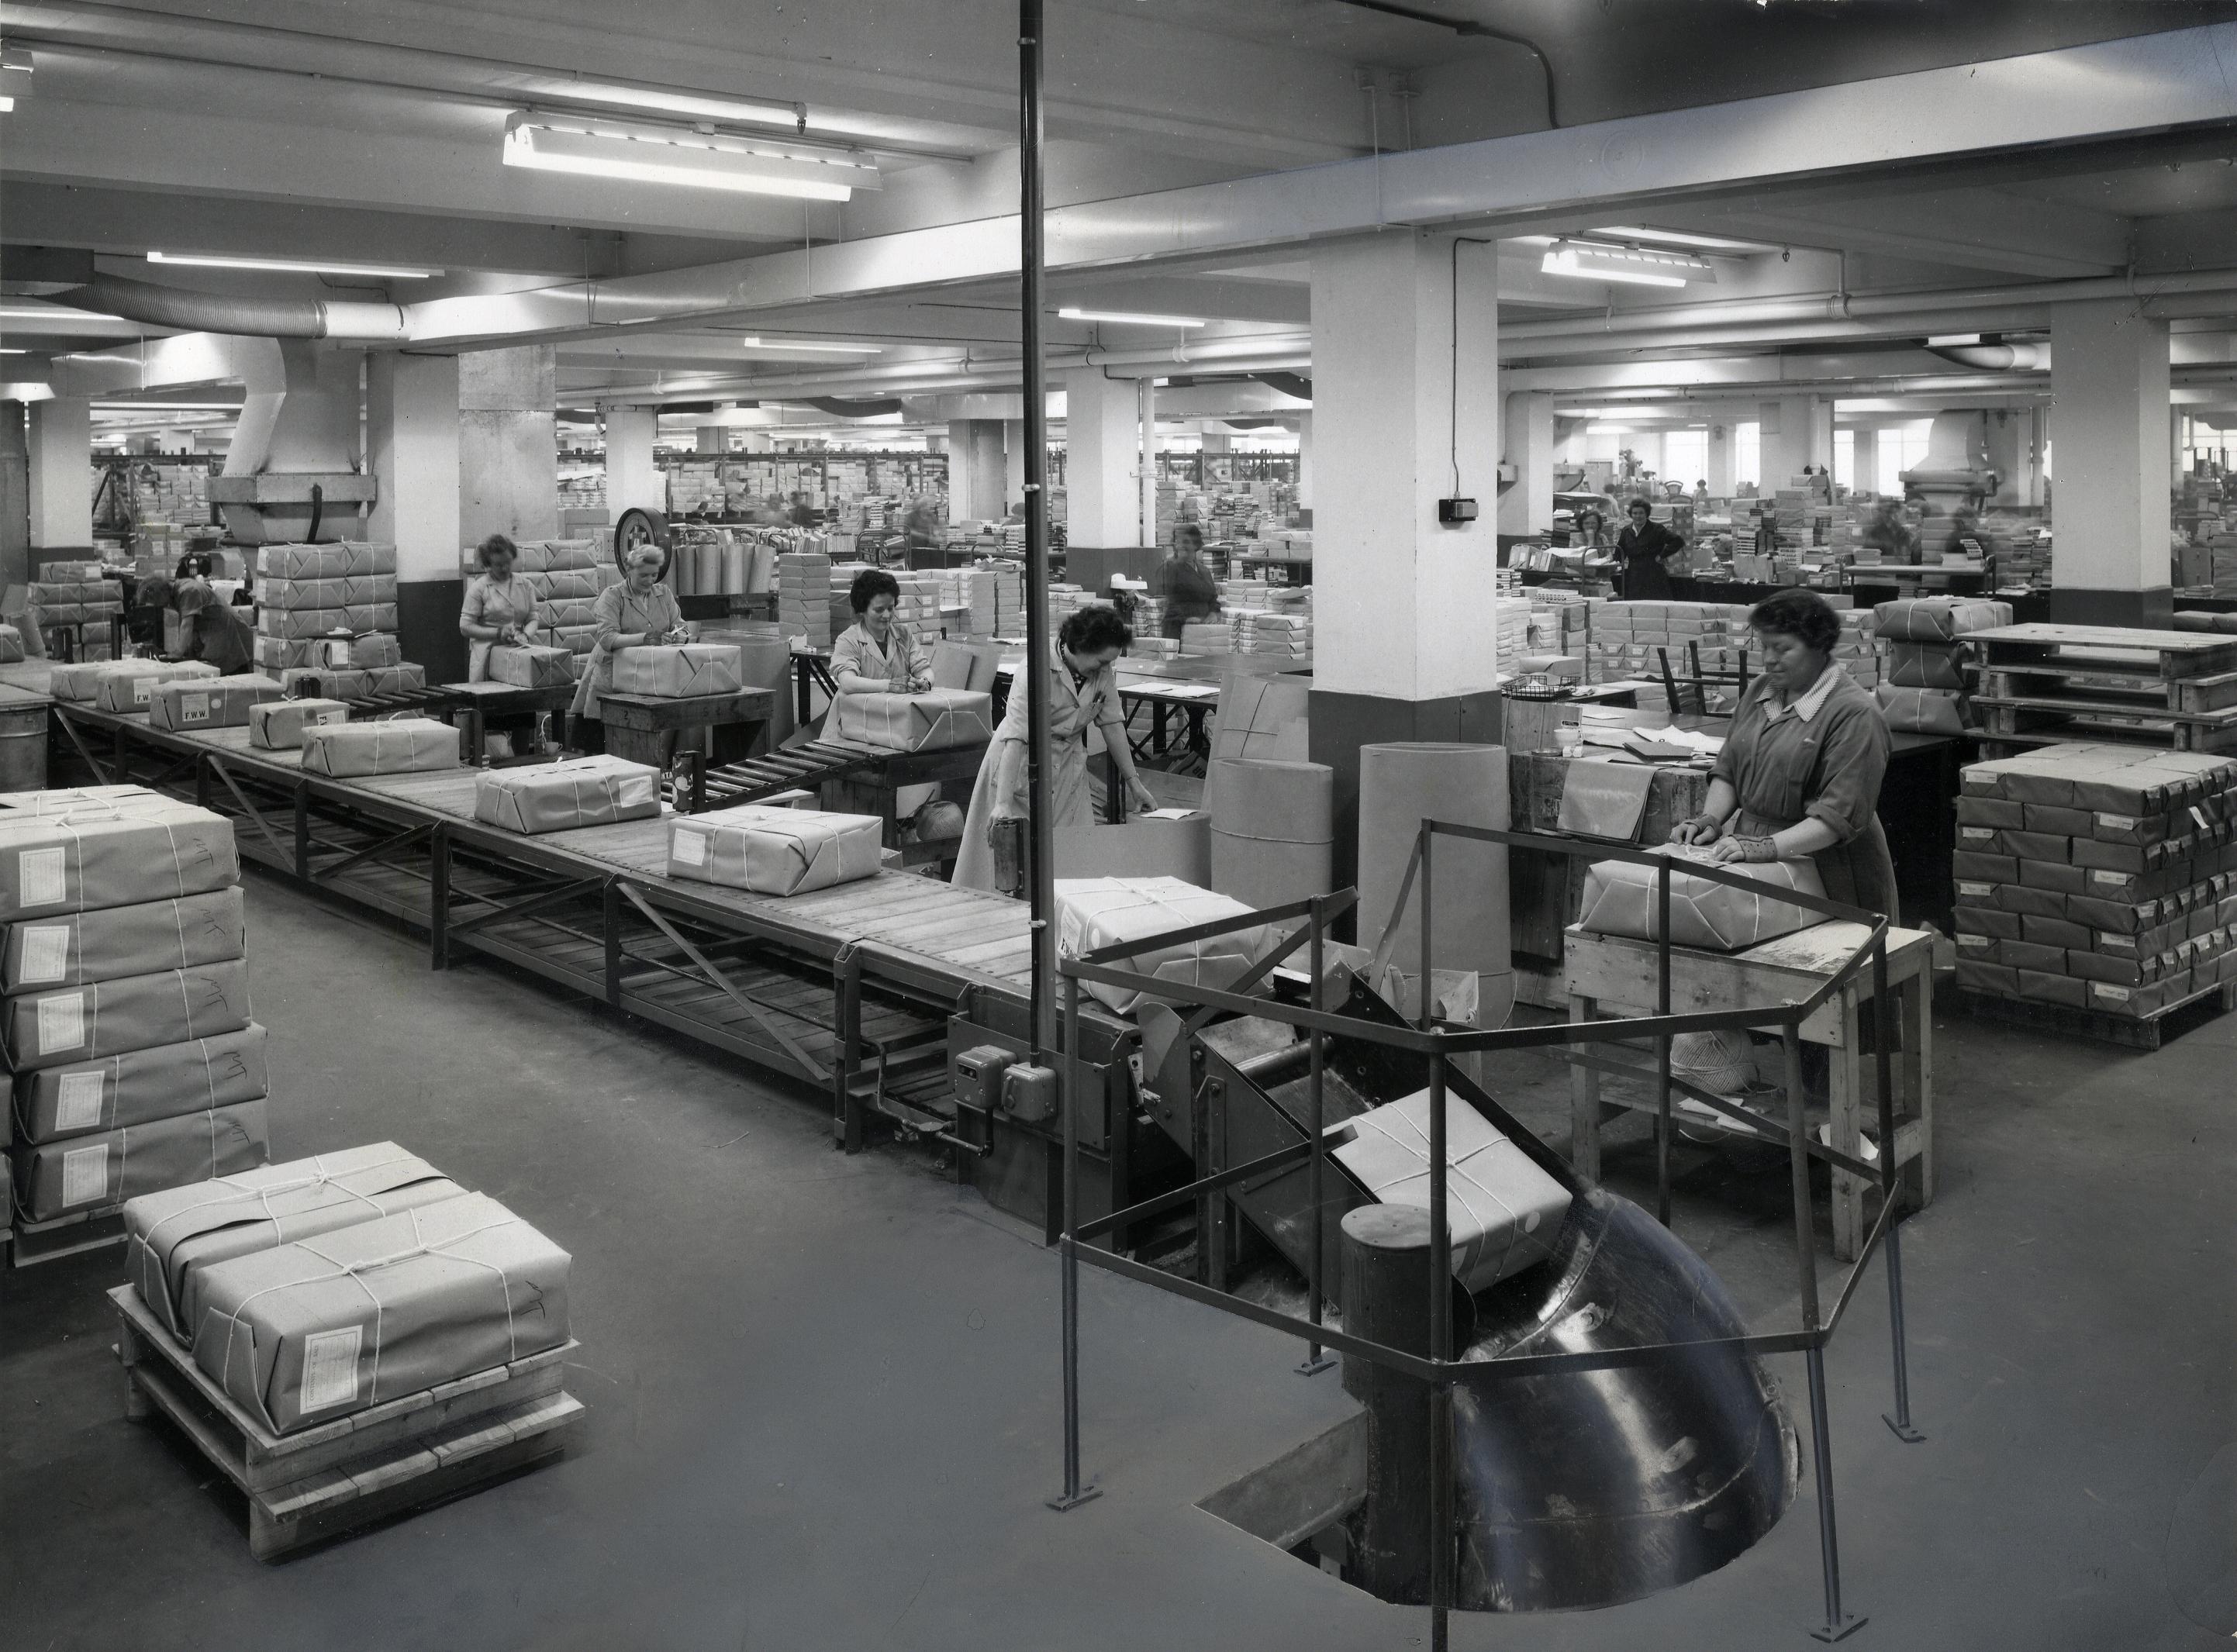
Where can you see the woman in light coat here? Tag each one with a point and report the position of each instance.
(638, 612)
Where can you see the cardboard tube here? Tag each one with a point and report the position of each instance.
(1272, 829)
(1400, 786)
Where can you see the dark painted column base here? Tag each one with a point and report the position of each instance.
(2079, 605)
(1341, 723)
(427, 624)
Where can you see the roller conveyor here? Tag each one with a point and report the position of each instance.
(794, 768)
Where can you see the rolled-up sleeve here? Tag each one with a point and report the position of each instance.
(1852, 761)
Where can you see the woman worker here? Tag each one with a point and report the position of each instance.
(1083, 691)
(1800, 772)
(498, 609)
(876, 655)
(1644, 546)
(1185, 582)
(1591, 532)
(640, 612)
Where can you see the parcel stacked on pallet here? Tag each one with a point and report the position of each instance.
(327, 605)
(344, 1336)
(1925, 689)
(1859, 652)
(2101, 877)
(77, 594)
(2171, 689)
(803, 597)
(126, 1015)
(565, 575)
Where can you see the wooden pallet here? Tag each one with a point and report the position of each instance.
(341, 1477)
(2047, 684)
(2133, 1032)
(51, 1240)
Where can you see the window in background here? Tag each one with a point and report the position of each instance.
(1903, 447)
(1686, 457)
(1845, 459)
(1747, 453)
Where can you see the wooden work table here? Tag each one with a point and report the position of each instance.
(644, 727)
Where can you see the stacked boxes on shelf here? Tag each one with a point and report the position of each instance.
(2099, 876)
(2221, 563)
(308, 595)
(1625, 637)
(565, 575)
(919, 604)
(1259, 631)
(996, 593)
(1925, 687)
(1213, 637)
(803, 597)
(126, 1015)
(1858, 651)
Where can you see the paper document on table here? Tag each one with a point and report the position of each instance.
(1167, 814)
(1690, 739)
(1188, 690)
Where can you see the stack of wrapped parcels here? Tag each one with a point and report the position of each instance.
(311, 1290)
(935, 721)
(309, 596)
(775, 852)
(1925, 688)
(1620, 898)
(79, 593)
(558, 797)
(1096, 912)
(125, 1017)
(565, 576)
(120, 685)
(2099, 876)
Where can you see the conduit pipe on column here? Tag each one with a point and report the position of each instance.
(192, 312)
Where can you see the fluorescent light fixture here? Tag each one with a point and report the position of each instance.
(12, 352)
(1637, 266)
(1681, 238)
(794, 116)
(698, 160)
(1132, 319)
(803, 344)
(102, 406)
(1953, 341)
(303, 266)
(7, 104)
(17, 57)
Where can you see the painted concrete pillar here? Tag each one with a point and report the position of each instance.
(1864, 458)
(633, 478)
(1014, 464)
(2109, 389)
(710, 439)
(1720, 455)
(1103, 508)
(1526, 507)
(412, 433)
(15, 497)
(508, 442)
(60, 463)
(1146, 474)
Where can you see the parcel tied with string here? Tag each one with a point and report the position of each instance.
(1620, 898)
(1504, 1210)
(112, 856)
(390, 745)
(557, 797)
(936, 720)
(312, 1330)
(1096, 912)
(173, 1235)
(88, 1173)
(136, 1086)
(112, 941)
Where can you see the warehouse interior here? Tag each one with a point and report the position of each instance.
(911, 962)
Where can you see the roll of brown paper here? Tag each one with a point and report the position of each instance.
(1400, 786)
(1272, 829)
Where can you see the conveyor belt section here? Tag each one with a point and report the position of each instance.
(796, 768)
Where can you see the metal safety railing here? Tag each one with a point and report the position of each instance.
(1441, 1369)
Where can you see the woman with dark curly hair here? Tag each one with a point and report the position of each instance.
(1083, 693)
(1799, 775)
(875, 654)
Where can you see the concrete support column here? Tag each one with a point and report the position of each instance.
(1305, 461)
(2110, 386)
(1103, 509)
(1145, 458)
(15, 497)
(1820, 413)
(412, 433)
(1526, 507)
(1720, 455)
(1014, 464)
(988, 495)
(2175, 447)
(61, 476)
(710, 439)
(1865, 459)
(1215, 442)
(633, 478)
(509, 443)
(1405, 413)
(1796, 431)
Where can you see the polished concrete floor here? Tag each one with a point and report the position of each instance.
(823, 1390)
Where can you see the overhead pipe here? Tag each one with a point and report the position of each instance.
(1996, 358)
(193, 312)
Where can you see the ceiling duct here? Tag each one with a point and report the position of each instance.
(845, 407)
(1289, 383)
(291, 475)
(192, 312)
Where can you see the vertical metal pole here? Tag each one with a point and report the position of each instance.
(1829, 1549)
(1316, 1360)
(438, 898)
(1805, 1237)
(1806, 1245)
(1662, 1045)
(1068, 1098)
(1890, 1190)
(1441, 1299)
(1042, 856)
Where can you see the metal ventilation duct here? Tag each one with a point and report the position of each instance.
(191, 312)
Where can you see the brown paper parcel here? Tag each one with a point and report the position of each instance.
(172, 1235)
(677, 671)
(1095, 913)
(1619, 899)
(775, 852)
(138, 1085)
(317, 1329)
(933, 722)
(555, 797)
(120, 685)
(298, 622)
(70, 863)
(350, 558)
(132, 1012)
(532, 668)
(340, 590)
(278, 725)
(1504, 1210)
(394, 745)
(223, 702)
(335, 683)
(93, 1172)
(113, 941)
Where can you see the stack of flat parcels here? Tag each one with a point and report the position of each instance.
(278, 725)
(1620, 898)
(312, 1330)
(936, 720)
(775, 852)
(207, 702)
(353, 684)
(532, 667)
(1924, 690)
(308, 593)
(392, 746)
(803, 597)
(2097, 876)
(84, 1173)
(111, 854)
(558, 797)
(1096, 912)
(118, 685)
(565, 576)
(1208, 637)
(172, 1237)
(1504, 1210)
(677, 671)
(75, 594)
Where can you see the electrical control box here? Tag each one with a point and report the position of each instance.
(979, 1076)
(1029, 1093)
(1452, 512)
